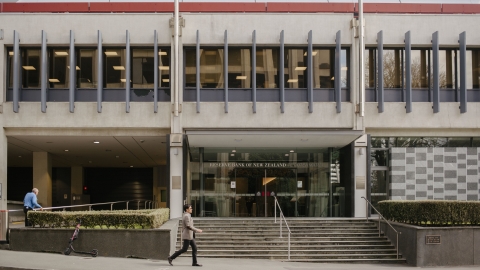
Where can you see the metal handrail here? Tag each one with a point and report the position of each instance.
(89, 205)
(379, 218)
(282, 216)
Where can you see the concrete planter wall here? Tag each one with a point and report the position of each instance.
(458, 245)
(150, 244)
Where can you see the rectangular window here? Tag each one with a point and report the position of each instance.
(164, 68)
(143, 70)
(211, 68)
(420, 68)
(267, 68)
(31, 68)
(295, 68)
(324, 68)
(473, 81)
(114, 68)
(370, 68)
(10, 68)
(392, 68)
(447, 68)
(87, 68)
(239, 68)
(59, 69)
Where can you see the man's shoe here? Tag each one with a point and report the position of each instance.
(170, 261)
(196, 264)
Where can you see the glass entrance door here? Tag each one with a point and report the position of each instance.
(255, 190)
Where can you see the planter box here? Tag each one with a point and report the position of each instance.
(150, 244)
(457, 245)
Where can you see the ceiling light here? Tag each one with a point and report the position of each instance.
(292, 80)
(333, 78)
(111, 53)
(117, 156)
(131, 166)
(29, 68)
(234, 151)
(61, 53)
(241, 77)
(232, 155)
(66, 150)
(19, 156)
(313, 53)
(164, 67)
(162, 53)
(10, 53)
(291, 151)
(118, 67)
(76, 67)
(300, 68)
(96, 142)
(53, 80)
(287, 155)
(123, 80)
(165, 80)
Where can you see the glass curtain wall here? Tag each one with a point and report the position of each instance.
(243, 182)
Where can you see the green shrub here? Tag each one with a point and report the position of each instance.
(432, 213)
(147, 219)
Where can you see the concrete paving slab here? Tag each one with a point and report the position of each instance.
(47, 261)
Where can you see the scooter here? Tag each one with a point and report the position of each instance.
(70, 248)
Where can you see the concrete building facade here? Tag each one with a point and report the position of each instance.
(255, 100)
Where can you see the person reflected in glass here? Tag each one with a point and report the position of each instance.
(188, 236)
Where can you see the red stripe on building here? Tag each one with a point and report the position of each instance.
(222, 7)
(311, 7)
(45, 7)
(131, 7)
(461, 8)
(401, 8)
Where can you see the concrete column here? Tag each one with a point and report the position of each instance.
(3, 170)
(176, 182)
(76, 181)
(361, 156)
(42, 177)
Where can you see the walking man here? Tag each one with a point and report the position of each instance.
(29, 203)
(188, 236)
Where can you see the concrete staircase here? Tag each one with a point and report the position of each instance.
(312, 240)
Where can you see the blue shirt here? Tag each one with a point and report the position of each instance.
(30, 200)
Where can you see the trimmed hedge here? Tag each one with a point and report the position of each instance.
(128, 219)
(432, 213)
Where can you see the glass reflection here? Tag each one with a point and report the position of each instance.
(267, 68)
(87, 68)
(419, 68)
(323, 68)
(114, 68)
(31, 68)
(295, 68)
(59, 69)
(239, 68)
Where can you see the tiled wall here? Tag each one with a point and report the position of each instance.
(435, 173)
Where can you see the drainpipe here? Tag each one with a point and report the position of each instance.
(362, 59)
(176, 64)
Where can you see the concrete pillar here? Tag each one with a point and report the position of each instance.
(42, 177)
(3, 170)
(361, 157)
(176, 182)
(76, 182)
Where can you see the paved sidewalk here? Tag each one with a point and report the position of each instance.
(10, 260)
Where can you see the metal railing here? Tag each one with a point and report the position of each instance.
(282, 216)
(150, 204)
(379, 218)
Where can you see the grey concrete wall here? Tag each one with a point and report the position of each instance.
(459, 245)
(441, 173)
(150, 244)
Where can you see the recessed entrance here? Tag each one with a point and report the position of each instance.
(243, 182)
(255, 190)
